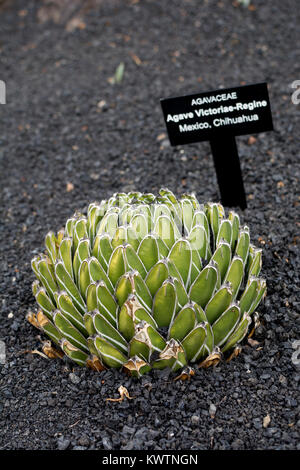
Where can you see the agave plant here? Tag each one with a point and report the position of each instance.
(146, 281)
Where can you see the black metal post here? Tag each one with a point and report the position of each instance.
(229, 175)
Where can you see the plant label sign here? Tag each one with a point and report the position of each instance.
(219, 116)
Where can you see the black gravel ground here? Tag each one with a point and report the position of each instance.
(70, 136)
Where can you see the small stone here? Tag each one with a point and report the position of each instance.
(195, 419)
(282, 379)
(251, 140)
(164, 144)
(84, 441)
(127, 430)
(266, 421)
(101, 104)
(265, 376)
(69, 187)
(74, 378)
(257, 423)
(237, 444)
(106, 443)
(129, 446)
(212, 410)
(161, 137)
(15, 326)
(62, 443)
(142, 433)
(296, 358)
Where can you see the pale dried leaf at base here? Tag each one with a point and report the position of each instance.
(123, 394)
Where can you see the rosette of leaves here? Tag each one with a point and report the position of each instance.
(146, 281)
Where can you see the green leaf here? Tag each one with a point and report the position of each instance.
(124, 287)
(148, 251)
(95, 214)
(79, 231)
(164, 228)
(123, 236)
(45, 302)
(182, 297)
(35, 286)
(46, 276)
(225, 232)
(209, 343)
(105, 329)
(249, 295)
(133, 261)
(109, 223)
(91, 297)
(88, 319)
(213, 215)
(256, 264)
(162, 248)
(76, 354)
(82, 253)
(183, 323)
(235, 223)
(201, 220)
(196, 266)
(69, 227)
(84, 278)
(106, 303)
(181, 256)
(242, 247)
(218, 304)
(261, 293)
(140, 344)
(198, 241)
(50, 243)
(110, 355)
(158, 343)
(225, 324)
(187, 210)
(140, 225)
(117, 265)
(49, 328)
(193, 342)
(67, 284)
(164, 303)
(126, 321)
(235, 274)
(102, 249)
(222, 257)
(65, 305)
(204, 285)
(65, 254)
(239, 333)
(97, 273)
(69, 331)
(142, 291)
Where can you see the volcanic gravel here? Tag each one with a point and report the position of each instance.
(70, 136)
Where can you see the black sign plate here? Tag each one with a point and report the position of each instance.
(208, 116)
